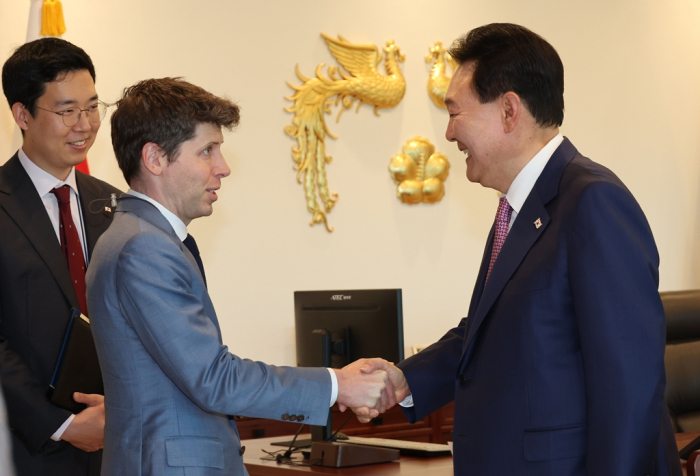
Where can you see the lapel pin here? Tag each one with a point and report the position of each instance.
(107, 209)
(538, 224)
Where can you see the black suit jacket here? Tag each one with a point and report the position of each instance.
(36, 296)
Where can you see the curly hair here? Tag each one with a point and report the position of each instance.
(166, 112)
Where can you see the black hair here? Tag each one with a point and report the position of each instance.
(510, 57)
(32, 65)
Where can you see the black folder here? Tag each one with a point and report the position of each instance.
(77, 368)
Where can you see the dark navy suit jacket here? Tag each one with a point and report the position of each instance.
(558, 368)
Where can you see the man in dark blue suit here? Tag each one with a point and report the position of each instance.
(558, 368)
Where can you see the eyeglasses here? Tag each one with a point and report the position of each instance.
(71, 116)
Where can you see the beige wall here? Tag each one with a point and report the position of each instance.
(632, 104)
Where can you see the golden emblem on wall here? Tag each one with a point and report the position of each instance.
(357, 80)
(420, 172)
(438, 80)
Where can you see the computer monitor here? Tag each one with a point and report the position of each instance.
(335, 328)
(361, 323)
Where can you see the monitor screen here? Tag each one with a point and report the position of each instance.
(361, 323)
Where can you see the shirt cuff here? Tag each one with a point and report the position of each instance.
(334, 387)
(59, 433)
(407, 402)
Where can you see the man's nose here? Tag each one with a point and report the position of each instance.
(449, 135)
(224, 171)
(83, 123)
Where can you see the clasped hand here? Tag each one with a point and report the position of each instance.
(86, 431)
(369, 387)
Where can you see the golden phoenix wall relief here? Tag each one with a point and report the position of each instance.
(420, 172)
(438, 80)
(356, 80)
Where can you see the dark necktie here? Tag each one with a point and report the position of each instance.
(502, 221)
(70, 245)
(192, 246)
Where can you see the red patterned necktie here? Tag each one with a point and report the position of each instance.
(70, 244)
(502, 221)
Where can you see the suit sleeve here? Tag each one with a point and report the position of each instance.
(154, 288)
(30, 415)
(613, 271)
(431, 374)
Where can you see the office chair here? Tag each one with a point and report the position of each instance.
(682, 362)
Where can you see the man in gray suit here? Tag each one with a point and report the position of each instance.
(170, 383)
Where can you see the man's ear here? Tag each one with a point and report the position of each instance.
(21, 115)
(153, 158)
(511, 110)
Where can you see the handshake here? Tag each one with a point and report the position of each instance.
(370, 387)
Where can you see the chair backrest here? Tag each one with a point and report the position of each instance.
(682, 359)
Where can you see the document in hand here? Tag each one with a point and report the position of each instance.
(77, 368)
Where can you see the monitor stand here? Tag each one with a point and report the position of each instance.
(323, 341)
(324, 344)
(340, 455)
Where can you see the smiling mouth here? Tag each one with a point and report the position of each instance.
(466, 153)
(79, 143)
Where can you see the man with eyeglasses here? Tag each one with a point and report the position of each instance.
(50, 219)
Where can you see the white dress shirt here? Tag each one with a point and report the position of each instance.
(44, 182)
(518, 192)
(181, 232)
(523, 183)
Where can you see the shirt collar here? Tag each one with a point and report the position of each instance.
(177, 224)
(525, 180)
(43, 181)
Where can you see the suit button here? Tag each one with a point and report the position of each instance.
(462, 380)
(241, 451)
(292, 418)
(300, 418)
(285, 417)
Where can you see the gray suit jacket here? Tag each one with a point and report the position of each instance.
(170, 382)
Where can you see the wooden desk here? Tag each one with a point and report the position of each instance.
(441, 466)
(435, 428)
(683, 439)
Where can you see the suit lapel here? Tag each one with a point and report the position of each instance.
(148, 212)
(25, 208)
(483, 269)
(96, 209)
(521, 237)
